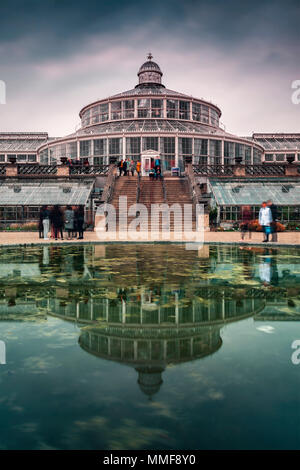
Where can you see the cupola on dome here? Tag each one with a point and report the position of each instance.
(150, 72)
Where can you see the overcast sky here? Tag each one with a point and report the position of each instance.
(57, 56)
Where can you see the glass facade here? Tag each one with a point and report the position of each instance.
(144, 108)
(71, 150)
(190, 150)
(85, 148)
(200, 151)
(44, 157)
(285, 214)
(148, 108)
(248, 154)
(257, 156)
(133, 147)
(167, 150)
(116, 110)
(115, 148)
(215, 152)
(100, 147)
(172, 109)
(128, 109)
(150, 143)
(184, 110)
(229, 153)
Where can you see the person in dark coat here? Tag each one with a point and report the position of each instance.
(120, 167)
(274, 217)
(125, 167)
(79, 216)
(57, 220)
(41, 227)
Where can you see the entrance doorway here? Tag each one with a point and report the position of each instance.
(148, 159)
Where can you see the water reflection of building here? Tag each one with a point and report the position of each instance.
(150, 350)
(149, 306)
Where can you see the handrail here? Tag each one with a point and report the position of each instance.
(110, 183)
(138, 189)
(194, 188)
(164, 189)
(89, 170)
(246, 170)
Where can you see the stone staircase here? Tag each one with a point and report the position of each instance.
(178, 192)
(152, 192)
(124, 186)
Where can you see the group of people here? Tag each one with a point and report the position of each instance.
(155, 173)
(267, 219)
(129, 166)
(56, 220)
(76, 163)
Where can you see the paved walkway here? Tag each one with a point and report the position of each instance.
(22, 238)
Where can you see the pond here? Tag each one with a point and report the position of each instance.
(149, 347)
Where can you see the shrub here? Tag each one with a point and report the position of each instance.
(255, 227)
(29, 226)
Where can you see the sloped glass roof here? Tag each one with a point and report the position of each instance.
(17, 145)
(47, 193)
(152, 125)
(235, 193)
(278, 142)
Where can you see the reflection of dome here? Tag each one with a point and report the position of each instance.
(148, 349)
(150, 379)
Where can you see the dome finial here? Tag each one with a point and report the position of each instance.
(149, 73)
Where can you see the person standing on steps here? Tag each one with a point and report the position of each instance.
(120, 166)
(124, 167)
(128, 166)
(157, 172)
(138, 168)
(265, 220)
(132, 167)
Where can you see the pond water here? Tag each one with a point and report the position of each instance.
(149, 347)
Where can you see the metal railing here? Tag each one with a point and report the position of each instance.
(35, 169)
(99, 170)
(213, 170)
(265, 170)
(259, 169)
(138, 189)
(164, 189)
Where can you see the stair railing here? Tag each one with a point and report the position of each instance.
(164, 189)
(110, 183)
(138, 189)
